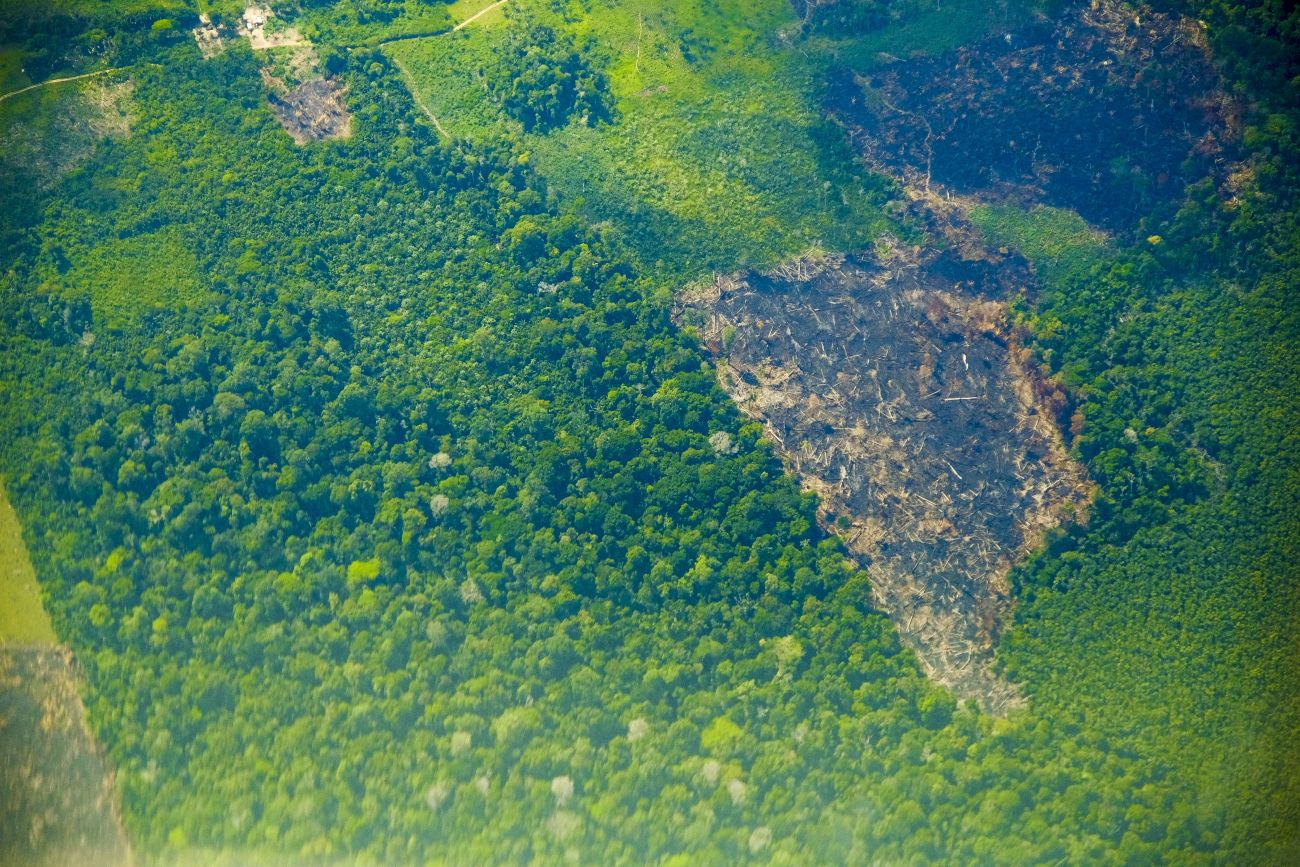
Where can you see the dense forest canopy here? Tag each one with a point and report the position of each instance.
(391, 519)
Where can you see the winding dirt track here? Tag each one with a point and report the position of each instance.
(410, 80)
(415, 94)
(5, 96)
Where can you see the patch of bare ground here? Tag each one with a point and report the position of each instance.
(310, 111)
(57, 791)
(208, 37)
(309, 104)
(1107, 109)
(257, 24)
(895, 388)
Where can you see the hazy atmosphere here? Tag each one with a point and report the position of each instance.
(651, 432)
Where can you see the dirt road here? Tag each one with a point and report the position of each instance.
(5, 96)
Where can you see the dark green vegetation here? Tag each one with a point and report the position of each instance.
(402, 538)
(542, 81)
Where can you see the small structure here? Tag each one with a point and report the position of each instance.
(253, 25)
(208, 37)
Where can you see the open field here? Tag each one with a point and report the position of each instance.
(22, 617)
(54, 782)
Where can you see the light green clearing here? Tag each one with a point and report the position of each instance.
(463, 10)
(127, 277)
(718, 157)
(340, 25)
(22, 616)
(1058, 241)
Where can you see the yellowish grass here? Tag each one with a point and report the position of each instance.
(22, 616)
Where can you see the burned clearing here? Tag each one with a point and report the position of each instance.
(1105, 110)
(896, 389)
(307, 102)
(311, 111)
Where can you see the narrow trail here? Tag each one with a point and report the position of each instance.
(20, 90)
(415, 94)
(477, 15)
(410, 79)
(412, 37)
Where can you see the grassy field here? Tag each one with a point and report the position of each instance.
(340, 26)
(463, 10)
(22, 616)
(718, 156)
(1058, 241)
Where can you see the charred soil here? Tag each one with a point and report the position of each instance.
(1105, 110)
(896, 389)
(311, 111)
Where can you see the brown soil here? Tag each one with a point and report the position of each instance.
(55, 786)
(894, 387)
(1105, 109)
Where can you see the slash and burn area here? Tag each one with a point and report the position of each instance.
(307, 100)
(1107, 110)
(896, 389)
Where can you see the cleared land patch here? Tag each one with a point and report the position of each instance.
(57, 793)
(46, 132)
(312, 110)
(54, 782)
(1103, 110)
(22, 616)
(894, 387)
(308, 102)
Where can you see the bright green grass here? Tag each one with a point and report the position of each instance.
(463, 10)
(329, 25)
(230, 9)
(443, 73)
(22, 616)
(718, 156)
(1058, 241)
(127, 277)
